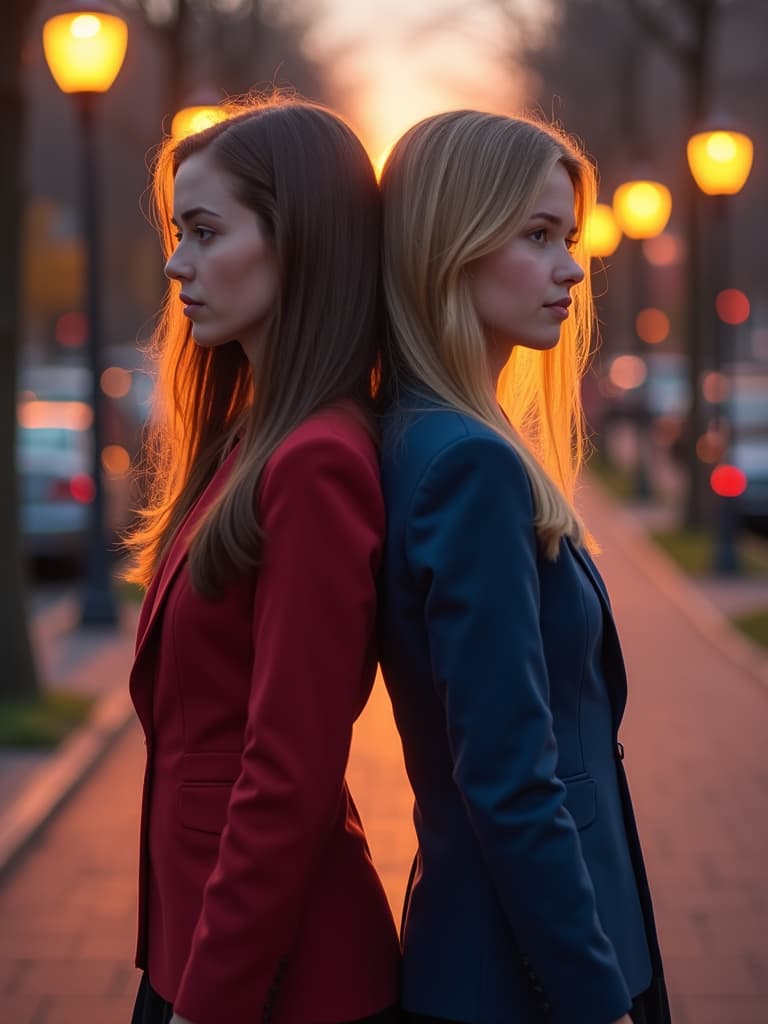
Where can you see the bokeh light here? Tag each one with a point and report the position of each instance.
(665, 250)
(71, 329)
(602, 233)
(116, 382)
(715, 387)
(710, 447)
(728, 481)
(115, 460)
(732, 306)
(627, 372)
(652, 325)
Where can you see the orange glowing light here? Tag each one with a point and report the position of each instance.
(652, 326)
(665, 250)
(85, 49)
(732, 306)
(115, 460)
(715, 387)
(602, 233)
(720, 161)
(191, 120)
(381, 159)
(116, 382)
(627, 372)
(70, 415)
(642, 208)
(728, 481)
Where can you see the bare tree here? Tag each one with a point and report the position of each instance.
(228, 44)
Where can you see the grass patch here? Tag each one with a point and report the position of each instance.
(754, 625)
(43, 721)
(694, 551)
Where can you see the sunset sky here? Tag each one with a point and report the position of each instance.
(400, 61)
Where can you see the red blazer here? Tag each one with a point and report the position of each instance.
(258, 899)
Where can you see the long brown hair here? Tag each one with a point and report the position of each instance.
(307, 176)
(456, 187)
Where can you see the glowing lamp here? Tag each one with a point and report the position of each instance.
(602, 233)
(191, 120)
(720, 161)
(85, 49)
(642, 208)
(728, 481)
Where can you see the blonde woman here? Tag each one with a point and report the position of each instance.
(258, 900)
(528, 900)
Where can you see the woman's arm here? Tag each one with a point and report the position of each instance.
(313, 620)
(472, 548)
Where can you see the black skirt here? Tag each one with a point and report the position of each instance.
(151, 1008)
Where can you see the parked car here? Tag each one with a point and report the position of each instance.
(749, 450)
(53, 458)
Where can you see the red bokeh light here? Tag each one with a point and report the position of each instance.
(732, 306)
(71, 330)
(728, 481)
(82, 488)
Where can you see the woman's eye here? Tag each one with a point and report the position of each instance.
(203, 234)
(539, 235)
(177, 235)
(571, 243)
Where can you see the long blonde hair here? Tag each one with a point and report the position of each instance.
(456, 187)
(305, 173)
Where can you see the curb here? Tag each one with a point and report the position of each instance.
(713, 625)
(59, 776)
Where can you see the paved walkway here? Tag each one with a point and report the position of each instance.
(696, 722)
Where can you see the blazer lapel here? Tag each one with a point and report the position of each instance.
(613, 661)
(171, 564)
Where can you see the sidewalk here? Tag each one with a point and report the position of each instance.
(697, 715)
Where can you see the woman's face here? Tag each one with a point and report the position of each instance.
(224, 262)
(521, 292)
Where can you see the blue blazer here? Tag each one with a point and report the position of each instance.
(528, 898)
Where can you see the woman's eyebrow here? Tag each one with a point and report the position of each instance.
(551, 218)
(195, 212)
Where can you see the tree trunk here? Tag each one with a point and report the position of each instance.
(18, 675)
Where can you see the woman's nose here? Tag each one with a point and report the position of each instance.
(571, 271)
(176, 268)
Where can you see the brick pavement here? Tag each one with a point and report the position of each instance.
(693, 737)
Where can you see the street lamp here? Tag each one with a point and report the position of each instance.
(84, 50)
(642, 208)
(602, 231)
(720, 161)
(190, 120)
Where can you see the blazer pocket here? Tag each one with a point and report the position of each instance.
(203, 806)
(581, 801)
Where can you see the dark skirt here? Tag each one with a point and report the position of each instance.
(650, 1007)
(151, 1008)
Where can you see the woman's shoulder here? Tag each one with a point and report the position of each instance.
(339, 431)
(421, 428)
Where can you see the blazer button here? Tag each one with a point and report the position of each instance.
(620, 750)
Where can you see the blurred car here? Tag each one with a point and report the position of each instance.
(748, 410)
(56, 487)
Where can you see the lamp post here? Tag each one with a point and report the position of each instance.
(720, 161)
(84, 50)
(642, 208)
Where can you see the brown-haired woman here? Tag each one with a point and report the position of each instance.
(259, 546)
